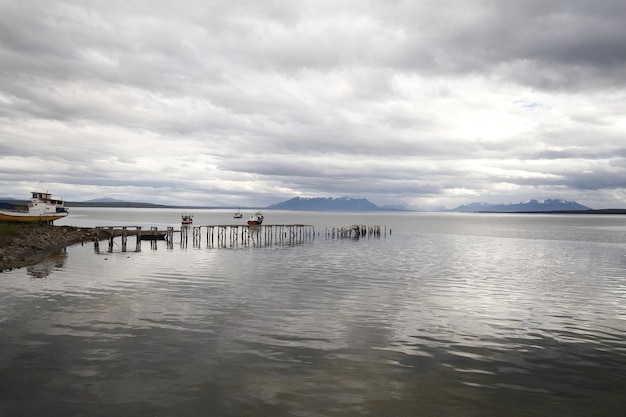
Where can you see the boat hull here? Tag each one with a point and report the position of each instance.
(29, 218)
(256, 219)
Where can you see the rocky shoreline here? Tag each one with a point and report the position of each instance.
(27, 244)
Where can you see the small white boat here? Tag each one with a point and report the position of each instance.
(41, 208)
(256, 219)
(186, 219)
(237, 214)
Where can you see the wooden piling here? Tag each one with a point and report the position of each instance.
(137, 238)
(124, 238)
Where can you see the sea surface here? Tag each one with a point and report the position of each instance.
(440, 315)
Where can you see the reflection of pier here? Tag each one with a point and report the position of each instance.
(52, 261)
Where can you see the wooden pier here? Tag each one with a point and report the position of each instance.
(227, 236)
(153, 235)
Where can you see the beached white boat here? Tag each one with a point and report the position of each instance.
(186, 219)
(41, 208)
(237, 214)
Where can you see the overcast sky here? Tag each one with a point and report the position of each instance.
(252, 102)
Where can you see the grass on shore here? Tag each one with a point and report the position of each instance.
(8, 231)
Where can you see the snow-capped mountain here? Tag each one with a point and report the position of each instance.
(530, 206)
(320, 203)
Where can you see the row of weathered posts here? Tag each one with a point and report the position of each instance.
(246, 235)
(229, 236)
(355, 232)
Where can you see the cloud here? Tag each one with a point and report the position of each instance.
(252, 103)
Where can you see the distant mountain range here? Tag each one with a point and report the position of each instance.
(112, 202)
(531, 206)
(363, 204)
(326, 204)
(105, 200)
(296, 203)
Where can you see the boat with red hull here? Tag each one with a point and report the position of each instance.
(256, 219)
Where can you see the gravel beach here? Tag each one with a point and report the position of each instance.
(26, 244)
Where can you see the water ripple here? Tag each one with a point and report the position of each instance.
(472, 317)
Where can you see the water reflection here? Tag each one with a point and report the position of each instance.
(418, 324)
(53, 260)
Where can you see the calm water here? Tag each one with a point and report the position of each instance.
(446, 315)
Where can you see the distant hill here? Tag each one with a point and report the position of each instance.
(105, 200)
(326, 204)
(531, 206)
(111, 202)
